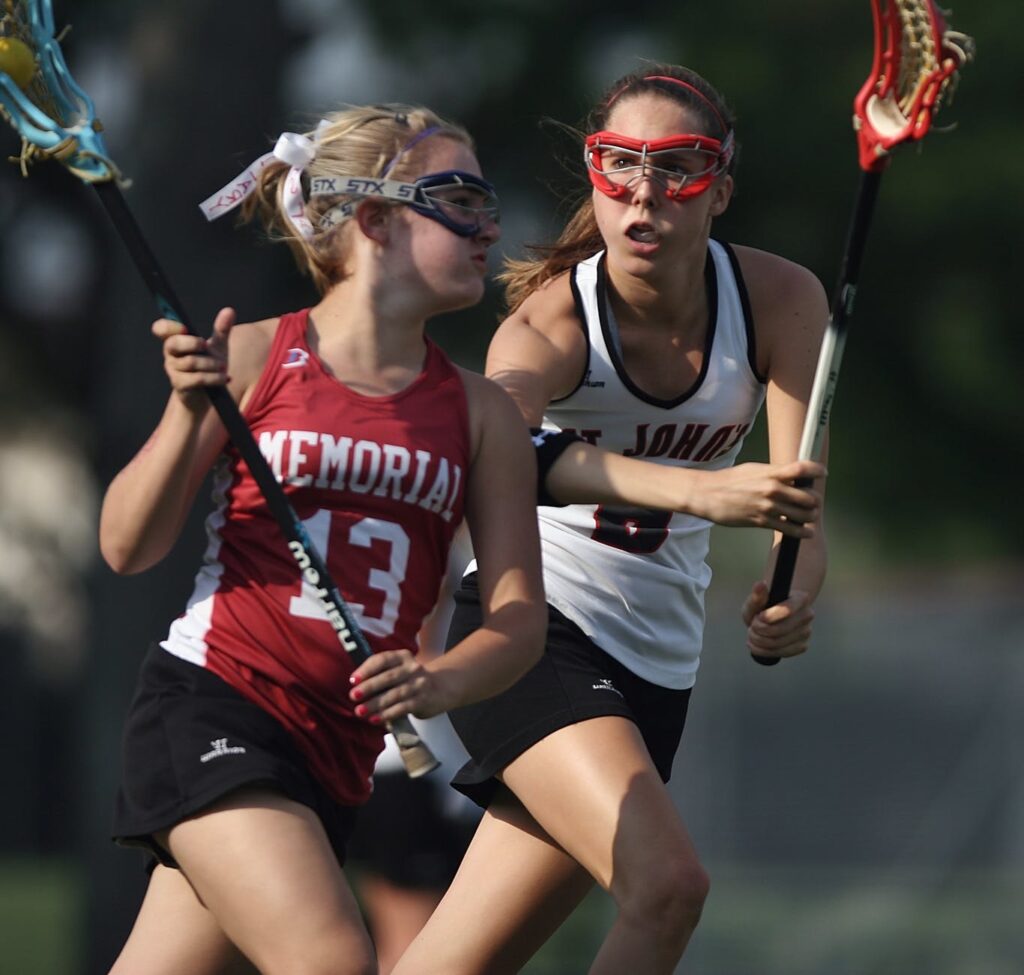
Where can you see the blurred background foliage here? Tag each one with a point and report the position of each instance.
(925, 516)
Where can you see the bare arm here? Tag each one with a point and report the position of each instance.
(539, 353)
(792, 311)
(502, 520)
(147, 502)
(433, 634)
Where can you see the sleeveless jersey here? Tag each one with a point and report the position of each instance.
(634, 580)
(379, 484)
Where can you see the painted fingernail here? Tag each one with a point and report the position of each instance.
(356, 694)
(361, 711)
(355, 679)
(376, 719)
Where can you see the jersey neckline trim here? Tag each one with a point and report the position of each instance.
(748, 314)
(581, 318)
(430, 351)
(614, 349)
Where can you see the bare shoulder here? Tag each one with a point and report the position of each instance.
(774, 281)
(487, 399)
(492, 409)
(248, 347)
(540, 351)
(551, 312)
(787, 302)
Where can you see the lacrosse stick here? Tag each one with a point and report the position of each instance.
(56, 119)
(916, 65)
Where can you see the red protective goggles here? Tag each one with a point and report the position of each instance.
(684, 165)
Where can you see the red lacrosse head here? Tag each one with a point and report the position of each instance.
(916, 59)
(683, 165)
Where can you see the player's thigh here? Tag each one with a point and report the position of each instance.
(263, 866)
(514, 888)
(593, 788)
(174, 933)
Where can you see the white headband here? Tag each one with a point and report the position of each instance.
(293, 149)
(358, 186)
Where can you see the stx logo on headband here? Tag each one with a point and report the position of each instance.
(361, 186)
(464, 203)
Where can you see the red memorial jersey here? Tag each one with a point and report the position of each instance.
(378, 482)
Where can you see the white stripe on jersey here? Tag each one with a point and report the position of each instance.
(187, 635)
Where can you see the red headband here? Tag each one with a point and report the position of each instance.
(682, 84)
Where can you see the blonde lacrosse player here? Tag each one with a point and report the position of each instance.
(251, 740)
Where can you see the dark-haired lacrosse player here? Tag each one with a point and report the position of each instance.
(251, 739)
(640, 349)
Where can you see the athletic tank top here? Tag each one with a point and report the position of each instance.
(379, 483)
(634, 580)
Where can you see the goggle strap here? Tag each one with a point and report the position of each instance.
(415, 194)
(419, 137)
(362, 186)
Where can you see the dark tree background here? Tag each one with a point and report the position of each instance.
(926, 438)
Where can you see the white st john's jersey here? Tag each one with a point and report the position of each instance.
(633, 579)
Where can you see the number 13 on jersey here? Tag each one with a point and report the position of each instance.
(362, 534)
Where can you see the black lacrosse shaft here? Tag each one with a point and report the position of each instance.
(842, 308)
(227, 409)
(311, 565)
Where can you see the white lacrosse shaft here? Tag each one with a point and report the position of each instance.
(826, 375)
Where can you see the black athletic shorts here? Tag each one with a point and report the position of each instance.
(411, 832)
(189, 740)
(574, 680)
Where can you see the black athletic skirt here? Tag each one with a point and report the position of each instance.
(189, 740)
(411, 832)
(575, 680)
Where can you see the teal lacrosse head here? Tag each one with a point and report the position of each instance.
(53, 115)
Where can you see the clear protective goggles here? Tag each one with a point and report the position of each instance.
(463, 203)
(683, 165)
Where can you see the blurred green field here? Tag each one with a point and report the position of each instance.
(39, 917)
(41, 931)
(860, 922)
(756, 923)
